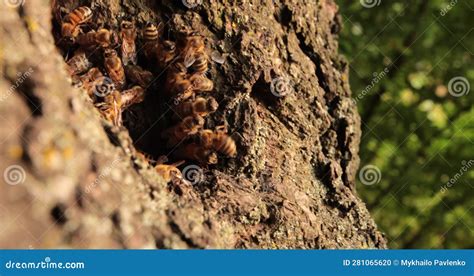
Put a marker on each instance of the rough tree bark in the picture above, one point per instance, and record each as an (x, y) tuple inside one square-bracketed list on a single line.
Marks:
[(291, 185)]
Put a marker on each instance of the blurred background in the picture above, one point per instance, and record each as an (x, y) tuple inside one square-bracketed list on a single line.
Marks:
[(412, 76)]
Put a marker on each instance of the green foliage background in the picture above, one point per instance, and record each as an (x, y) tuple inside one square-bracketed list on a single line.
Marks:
[(415, 131)]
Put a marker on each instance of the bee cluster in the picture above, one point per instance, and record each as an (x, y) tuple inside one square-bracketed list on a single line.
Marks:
[(106, 64)]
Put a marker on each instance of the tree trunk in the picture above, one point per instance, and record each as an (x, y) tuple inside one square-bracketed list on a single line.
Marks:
[(71, 179)]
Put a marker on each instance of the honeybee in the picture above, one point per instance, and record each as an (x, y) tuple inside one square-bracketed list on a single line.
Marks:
[(105, 38), (169, 172), (182, 88), (218, 141), (128, 34), (205, 138), (189, 126), (224, 144), (197, 84), (200, 64), (87, 79), (199, 106), (193, 46), (114, 68), (87, 40), (143, 158), (132, 96), (57, 10), (111, 107), (79, 63), (151, 35), (198, 153), (201, 83), (186, 94), (177, 83), (69, 28), (138, 75), (166, 51)]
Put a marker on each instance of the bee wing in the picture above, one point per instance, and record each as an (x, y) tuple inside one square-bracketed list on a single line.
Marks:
[(128, 53), (189, 59)]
